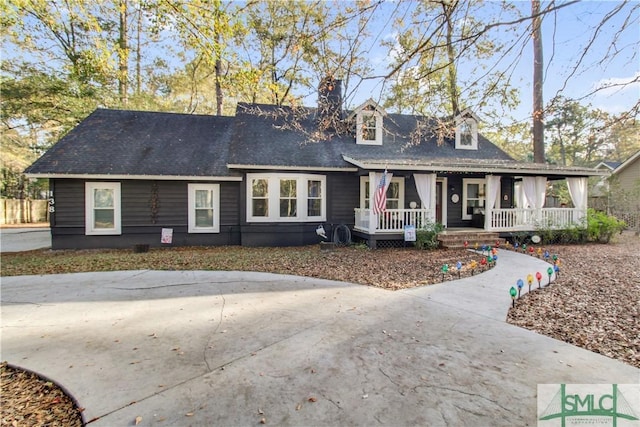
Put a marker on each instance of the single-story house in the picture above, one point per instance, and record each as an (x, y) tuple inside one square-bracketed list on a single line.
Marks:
[(271, 175)]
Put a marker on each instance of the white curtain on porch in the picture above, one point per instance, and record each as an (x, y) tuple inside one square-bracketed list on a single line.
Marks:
[(425, 184), (535, 191), (578, 192), (493, 191)]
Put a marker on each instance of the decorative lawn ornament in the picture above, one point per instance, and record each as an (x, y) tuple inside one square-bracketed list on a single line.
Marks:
[(483, 263), (532, 251), (549, 272), (524, 248), (476, 246), (513, 294), (445, 270), (507, 244), (497, 243), (473, 266), (515, 246), (494, 251), (489, 259), (466, 244), (459, 267), (556, 268), (520, 284), (484, 249), (555, 257), (546, 255), (495, 258), (539, 278), (529, 281), (539, 252)]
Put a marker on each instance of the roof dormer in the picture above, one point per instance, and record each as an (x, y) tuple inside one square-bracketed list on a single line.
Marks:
[(466, 130), (369, 117)]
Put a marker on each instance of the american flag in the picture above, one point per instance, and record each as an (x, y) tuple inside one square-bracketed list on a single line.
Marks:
[(380, 197)]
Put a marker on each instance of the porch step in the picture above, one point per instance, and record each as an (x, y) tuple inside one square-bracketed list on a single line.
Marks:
[(455, 240)]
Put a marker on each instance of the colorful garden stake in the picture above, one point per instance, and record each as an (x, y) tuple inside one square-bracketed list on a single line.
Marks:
[(466, 244), (529, 281), (445, 270), (483, 263), (476, 246), (520, 284), (539, 278), (459, 267), (497, 243), (549, 272), (513, 294), (495, 258), (531, 250), (473, 266), (539, 252), (556, 268), (524, 248), (515, 246), (555, 257)]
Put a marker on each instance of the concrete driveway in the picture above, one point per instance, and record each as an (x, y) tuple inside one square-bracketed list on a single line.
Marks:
[(19, 239), (233, 348)]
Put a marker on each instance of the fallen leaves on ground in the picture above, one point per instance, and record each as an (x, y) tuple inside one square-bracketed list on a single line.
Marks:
[(28, 400), (594, 303)]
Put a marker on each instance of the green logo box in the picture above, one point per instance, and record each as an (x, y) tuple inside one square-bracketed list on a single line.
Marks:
[(563, 405)]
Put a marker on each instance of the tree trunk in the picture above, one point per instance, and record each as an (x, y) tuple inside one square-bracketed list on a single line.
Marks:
[(451, 56), (538, 109), (123, 55), (218, 67)]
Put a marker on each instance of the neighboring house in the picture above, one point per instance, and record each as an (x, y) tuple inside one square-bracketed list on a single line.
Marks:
[(270, 175), (627, 174), (599, 187)]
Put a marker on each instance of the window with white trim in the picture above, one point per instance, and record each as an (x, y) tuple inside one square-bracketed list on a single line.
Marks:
[(369, 128), (286, 197), (467, 134), (395, 193), (102, 208), (204, 208), (473, 195)]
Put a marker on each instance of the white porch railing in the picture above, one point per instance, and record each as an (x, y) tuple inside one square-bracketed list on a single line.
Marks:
[(519, 219), (392, 220)]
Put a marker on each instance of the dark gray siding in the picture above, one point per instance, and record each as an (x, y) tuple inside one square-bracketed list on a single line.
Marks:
[(147, 208)]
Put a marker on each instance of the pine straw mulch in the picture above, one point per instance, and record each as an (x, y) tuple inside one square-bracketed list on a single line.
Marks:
[(594, 303)]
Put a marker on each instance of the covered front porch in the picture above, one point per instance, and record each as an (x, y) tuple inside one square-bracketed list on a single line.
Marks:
[(493, 200)]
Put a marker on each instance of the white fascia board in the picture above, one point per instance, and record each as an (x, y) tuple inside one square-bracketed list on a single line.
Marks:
[(513, 170), (292, 168), (134, 177)]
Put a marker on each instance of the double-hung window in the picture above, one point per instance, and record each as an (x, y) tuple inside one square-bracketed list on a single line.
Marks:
[(395, 193), (204, 208), (286, 197), (102, 208)]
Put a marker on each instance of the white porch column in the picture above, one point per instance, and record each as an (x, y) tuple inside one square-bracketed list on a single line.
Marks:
[(373, 218)]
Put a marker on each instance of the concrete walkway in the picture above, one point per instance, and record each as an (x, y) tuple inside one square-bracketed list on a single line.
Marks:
[(233, 348)]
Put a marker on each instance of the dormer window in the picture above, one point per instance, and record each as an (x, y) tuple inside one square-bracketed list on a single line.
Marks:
[(368, 123), (466, 131)]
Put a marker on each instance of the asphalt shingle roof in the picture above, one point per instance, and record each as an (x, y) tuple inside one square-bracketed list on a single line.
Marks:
[(279, 136), (119, 142)]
